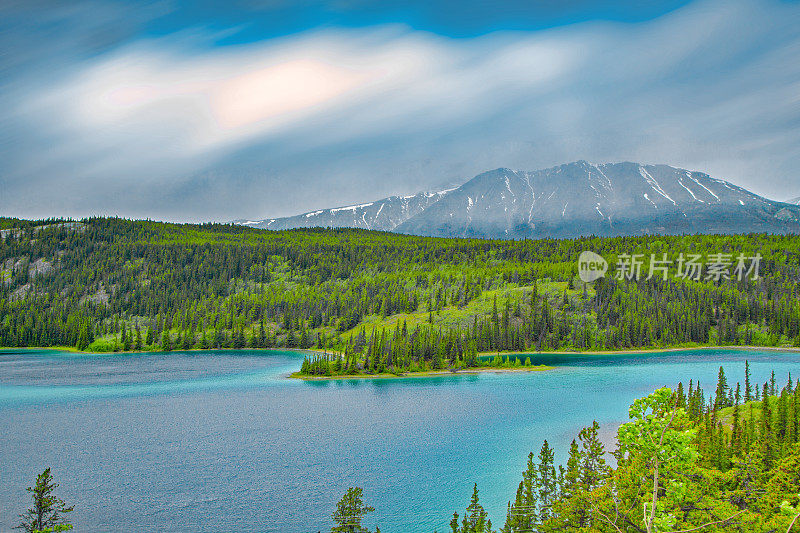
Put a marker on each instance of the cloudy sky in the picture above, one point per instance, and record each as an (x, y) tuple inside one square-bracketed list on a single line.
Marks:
[(196, 111)]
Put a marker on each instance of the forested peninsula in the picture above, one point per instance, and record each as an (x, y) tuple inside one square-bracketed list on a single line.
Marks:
[(377, 303)]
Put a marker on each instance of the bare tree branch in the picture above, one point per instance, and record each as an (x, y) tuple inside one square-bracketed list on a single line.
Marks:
[(793, 521), (608, 520), (656, 464)]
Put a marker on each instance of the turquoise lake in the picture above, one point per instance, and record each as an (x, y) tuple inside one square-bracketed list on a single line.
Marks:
[(222, 441)]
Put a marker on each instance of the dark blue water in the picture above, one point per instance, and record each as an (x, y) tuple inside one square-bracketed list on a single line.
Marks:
[(222, 441)]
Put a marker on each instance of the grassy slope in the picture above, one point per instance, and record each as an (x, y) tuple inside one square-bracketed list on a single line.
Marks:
[(464, 316), (746, 411), (446, 317)]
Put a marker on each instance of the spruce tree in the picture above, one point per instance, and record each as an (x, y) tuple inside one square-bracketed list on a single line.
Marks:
[(721, 395), (547, 481), (48, 510), (593, 467), (166, 342), (748, 394), (350, 511)]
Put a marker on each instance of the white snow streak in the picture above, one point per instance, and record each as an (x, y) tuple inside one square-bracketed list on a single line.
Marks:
[(654, 184), (533, 196), (508, 186), (598, 210), (350, 207), (604, 175), (690, 191), (706, 188)]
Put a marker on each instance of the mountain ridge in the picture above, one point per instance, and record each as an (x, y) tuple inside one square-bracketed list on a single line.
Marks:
[(384, 214), (570, 200)]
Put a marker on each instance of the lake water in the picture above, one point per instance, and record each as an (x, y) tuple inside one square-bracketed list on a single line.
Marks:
[(221, 441)]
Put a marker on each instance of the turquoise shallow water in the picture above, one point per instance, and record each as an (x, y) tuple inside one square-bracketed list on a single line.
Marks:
[(221, 441)]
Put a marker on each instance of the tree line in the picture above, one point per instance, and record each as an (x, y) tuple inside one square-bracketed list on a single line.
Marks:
[(381, 302)]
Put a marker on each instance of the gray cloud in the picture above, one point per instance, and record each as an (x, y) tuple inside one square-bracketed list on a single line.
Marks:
[(172, 129)]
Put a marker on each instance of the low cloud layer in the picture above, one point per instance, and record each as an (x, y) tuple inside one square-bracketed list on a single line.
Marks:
[(174, 127)]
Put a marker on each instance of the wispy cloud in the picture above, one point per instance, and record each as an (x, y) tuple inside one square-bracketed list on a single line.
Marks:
[(174, 127)]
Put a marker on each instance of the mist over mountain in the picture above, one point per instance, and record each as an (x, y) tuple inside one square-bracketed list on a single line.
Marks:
[(566, 201)]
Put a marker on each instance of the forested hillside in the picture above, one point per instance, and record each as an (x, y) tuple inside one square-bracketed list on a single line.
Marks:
[(386, 302), (686, 461)]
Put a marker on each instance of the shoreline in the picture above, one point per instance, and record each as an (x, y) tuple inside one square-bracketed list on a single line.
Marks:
[(70, 349), (650, 350), (425, 374)]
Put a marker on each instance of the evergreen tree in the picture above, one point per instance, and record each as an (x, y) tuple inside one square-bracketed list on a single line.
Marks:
[(166, 341), (593, 465), (350, 511), (721, 396), (547, 481), (149, 338), (748, 388), (475, 519), (48, 510)]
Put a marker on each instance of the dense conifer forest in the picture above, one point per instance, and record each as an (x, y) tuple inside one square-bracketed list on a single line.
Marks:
[(380, 302), (685, 461)]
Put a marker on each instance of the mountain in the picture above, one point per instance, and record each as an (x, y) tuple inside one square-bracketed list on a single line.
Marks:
[(383, 215), (795, 201), (568, 201), (611, 199)]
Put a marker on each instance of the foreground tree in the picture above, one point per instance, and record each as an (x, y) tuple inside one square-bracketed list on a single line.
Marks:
[(476, 520), (48, 510), (350, 511), (659, 434)]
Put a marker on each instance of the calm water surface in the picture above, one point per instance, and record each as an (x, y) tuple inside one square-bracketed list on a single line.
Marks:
[(222, 441)]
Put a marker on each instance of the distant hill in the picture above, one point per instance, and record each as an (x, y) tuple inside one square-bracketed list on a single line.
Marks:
[(567, 201)]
